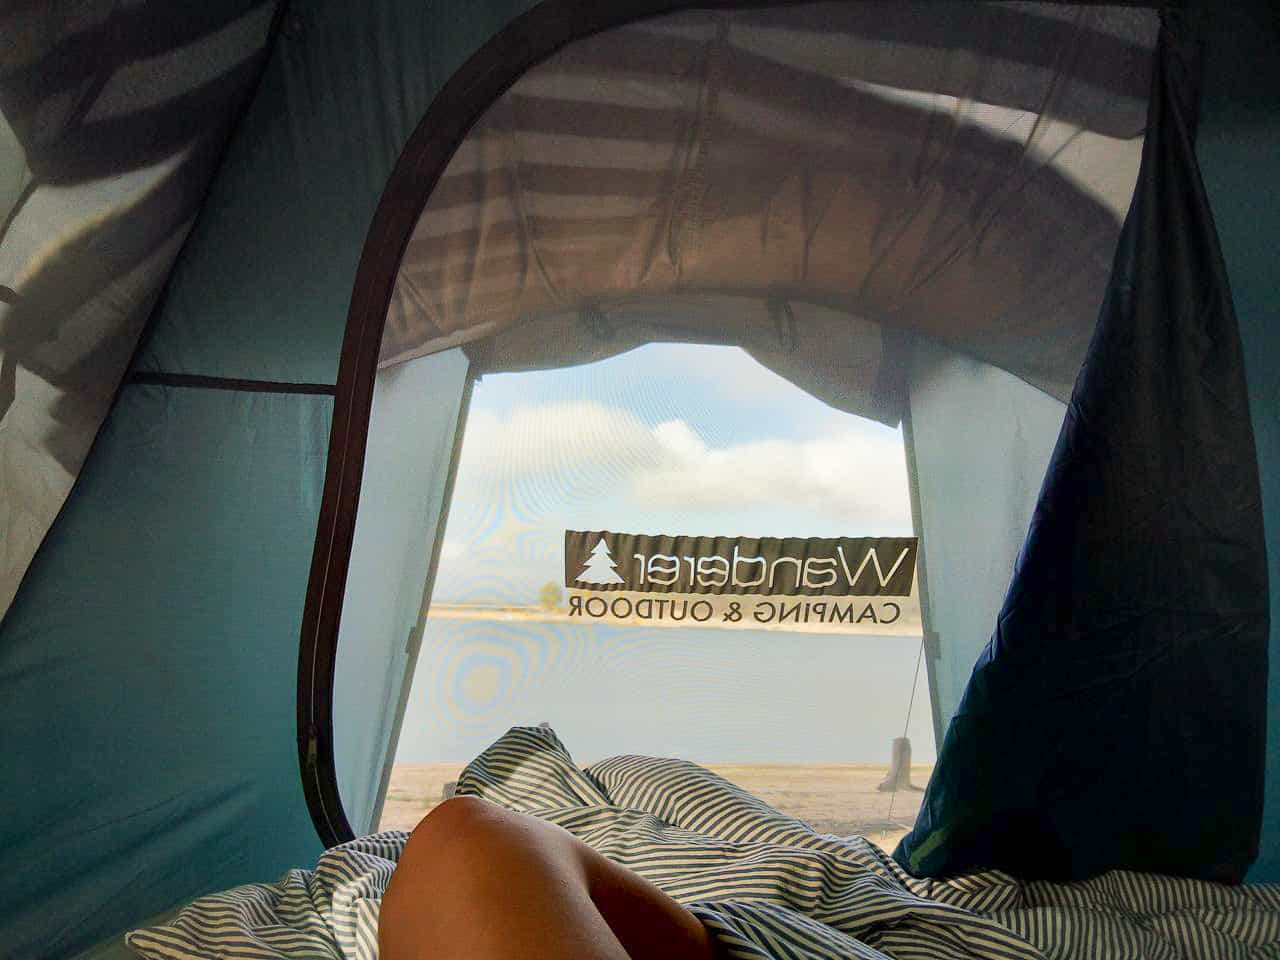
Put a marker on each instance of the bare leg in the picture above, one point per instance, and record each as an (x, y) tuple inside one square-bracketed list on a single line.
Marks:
[(479, 882)]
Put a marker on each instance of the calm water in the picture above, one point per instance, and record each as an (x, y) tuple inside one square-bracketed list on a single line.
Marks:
[(703, 694)]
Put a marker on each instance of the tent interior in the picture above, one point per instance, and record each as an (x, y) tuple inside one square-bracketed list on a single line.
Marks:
[(255, 261)]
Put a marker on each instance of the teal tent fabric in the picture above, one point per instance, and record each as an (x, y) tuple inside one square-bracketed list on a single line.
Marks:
[(112, 120), (148, 668), (1238, 143), (1119, 708), (267, 274)]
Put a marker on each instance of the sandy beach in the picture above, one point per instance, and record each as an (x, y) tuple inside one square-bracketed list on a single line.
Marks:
[(907, 625), (833, 798)]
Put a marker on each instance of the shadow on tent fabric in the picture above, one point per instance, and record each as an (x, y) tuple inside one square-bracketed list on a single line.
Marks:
[(1116, 718), (112, 121), (88, 105)]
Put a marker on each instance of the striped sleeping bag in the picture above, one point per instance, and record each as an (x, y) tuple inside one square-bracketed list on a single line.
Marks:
[(765, 884)]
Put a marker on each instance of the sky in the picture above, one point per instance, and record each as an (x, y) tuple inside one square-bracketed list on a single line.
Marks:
[(670, 438), (675, 439)]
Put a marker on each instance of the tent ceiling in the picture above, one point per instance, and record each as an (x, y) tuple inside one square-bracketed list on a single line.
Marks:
[(956, 171)]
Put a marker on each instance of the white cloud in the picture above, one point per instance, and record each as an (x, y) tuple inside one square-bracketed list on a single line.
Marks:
[(569, 445), (542, 458), (853, 477)]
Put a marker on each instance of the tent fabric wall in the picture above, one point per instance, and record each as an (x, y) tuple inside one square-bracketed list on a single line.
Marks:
[(111, 123), (981, 440), (148, 668), (1238, 147), (403, 498), (266, 282), (1129, 658)]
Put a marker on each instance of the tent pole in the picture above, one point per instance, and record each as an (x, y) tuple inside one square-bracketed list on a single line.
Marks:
[(932, 642)]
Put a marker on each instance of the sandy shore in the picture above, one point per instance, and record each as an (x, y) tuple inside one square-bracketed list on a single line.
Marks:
[(907, 626), (833, 798)]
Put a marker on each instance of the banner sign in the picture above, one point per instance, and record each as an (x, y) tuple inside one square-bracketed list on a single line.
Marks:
[(812, 567), (862, 583)]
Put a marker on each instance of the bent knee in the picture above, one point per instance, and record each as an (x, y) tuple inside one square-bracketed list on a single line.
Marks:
[(443, 849), (466, 837), (456, 817), (449, 836)]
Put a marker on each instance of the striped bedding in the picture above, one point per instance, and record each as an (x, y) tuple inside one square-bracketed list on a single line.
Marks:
[(765, 884)]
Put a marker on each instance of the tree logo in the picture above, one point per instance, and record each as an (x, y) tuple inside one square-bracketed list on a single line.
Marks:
[(600, 566)]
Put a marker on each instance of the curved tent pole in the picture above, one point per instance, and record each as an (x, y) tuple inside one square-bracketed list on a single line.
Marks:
[(526, 41)]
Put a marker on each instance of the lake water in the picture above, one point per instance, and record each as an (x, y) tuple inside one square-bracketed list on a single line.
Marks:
[(720, 696)]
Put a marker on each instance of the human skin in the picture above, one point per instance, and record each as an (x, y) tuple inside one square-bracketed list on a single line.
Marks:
[(480, 882)]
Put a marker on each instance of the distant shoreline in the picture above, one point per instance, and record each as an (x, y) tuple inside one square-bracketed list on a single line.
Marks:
[(513, 614)]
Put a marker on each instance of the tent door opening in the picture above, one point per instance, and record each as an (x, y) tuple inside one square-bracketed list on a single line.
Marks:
[(808, 701)]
